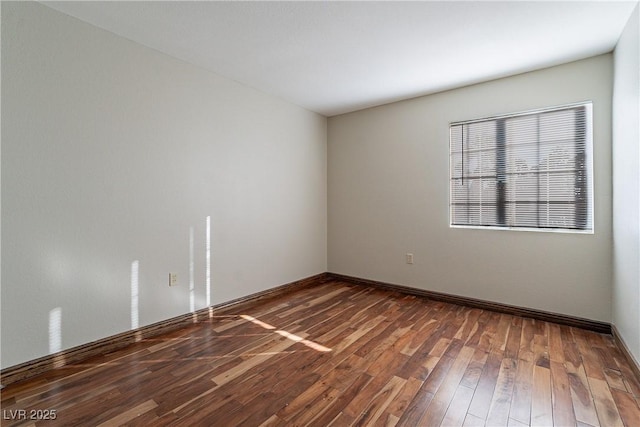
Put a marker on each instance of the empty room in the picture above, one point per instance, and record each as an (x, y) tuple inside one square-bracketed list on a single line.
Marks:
[(320, 213)]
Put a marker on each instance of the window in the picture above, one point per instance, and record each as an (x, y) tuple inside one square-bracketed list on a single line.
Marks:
[(528, 170)]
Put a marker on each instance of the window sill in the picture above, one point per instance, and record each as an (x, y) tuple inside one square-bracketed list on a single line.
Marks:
[(535, 230)]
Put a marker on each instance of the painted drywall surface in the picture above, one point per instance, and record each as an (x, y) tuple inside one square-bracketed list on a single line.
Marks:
[(114, 155), (388, 174), (626, 185)]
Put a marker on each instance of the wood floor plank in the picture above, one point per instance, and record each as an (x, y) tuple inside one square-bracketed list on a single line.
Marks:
[(344, 399), (583, 402), (281, 396), (520, 409), (388, 362), (474, 369), (272, 421), (390, 421), (415, 409), (457, 410), (512, 348), (489, 332), (627, 407), (615, 379), (478, 329), (473, 421), (399, 404), (606, 355), (499, 341), (342, 375), (445, 392), (254, 361), (486, 385), (341, 420), (606, 408), (516, 423), (541, 350), (556, 350), (469, 325), (303, 401), (541, 404), (416, 363), (343, 354), (526, 340), (437, 376), (631, 382), (380, 401), (360, 332), (383, 338), (420, 337), (590, 358), (563, 414), (440, 347), (501, 401), (315, 408)]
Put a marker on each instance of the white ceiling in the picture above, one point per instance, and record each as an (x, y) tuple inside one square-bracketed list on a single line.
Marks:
[(336, 57)]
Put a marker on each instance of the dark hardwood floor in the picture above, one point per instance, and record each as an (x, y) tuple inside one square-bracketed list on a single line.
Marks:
[(341, 354)]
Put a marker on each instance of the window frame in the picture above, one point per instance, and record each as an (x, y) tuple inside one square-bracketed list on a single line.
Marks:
[(589, 169)]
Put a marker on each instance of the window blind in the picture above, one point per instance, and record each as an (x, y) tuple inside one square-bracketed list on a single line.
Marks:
[(526, 170)]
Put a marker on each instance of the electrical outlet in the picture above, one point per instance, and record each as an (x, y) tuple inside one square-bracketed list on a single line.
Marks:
[(409, 258), (173, 279)]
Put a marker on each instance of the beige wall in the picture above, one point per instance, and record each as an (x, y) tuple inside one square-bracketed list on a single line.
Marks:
[(111, 154), (388, 175), (626, 185)]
